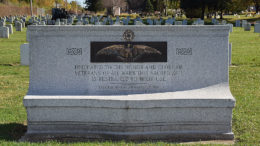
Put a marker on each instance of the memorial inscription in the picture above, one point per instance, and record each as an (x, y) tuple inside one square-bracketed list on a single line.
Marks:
[(128, 76)]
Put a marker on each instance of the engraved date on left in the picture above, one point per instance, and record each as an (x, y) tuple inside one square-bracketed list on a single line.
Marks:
[(74, 51)]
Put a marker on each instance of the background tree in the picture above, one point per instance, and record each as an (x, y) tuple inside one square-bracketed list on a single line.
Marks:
[(148, 7), (74, 6), (94, 5), (257, 5)]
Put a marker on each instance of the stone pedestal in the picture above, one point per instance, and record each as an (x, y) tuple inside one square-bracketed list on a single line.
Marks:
[(202, 114)]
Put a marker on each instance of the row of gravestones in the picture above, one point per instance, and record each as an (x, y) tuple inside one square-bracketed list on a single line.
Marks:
[(7, 29), (247, 25)]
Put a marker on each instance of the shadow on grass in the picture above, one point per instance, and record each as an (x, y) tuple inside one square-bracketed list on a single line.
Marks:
[(12, 131)]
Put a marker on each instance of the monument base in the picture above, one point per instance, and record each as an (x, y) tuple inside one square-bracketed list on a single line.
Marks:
[(133, 137), (201, 114)]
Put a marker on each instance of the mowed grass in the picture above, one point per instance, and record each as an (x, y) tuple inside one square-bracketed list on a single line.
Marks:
[(244, 84)]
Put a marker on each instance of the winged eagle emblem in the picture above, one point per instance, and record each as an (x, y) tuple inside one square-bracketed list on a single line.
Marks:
[(127, 53)]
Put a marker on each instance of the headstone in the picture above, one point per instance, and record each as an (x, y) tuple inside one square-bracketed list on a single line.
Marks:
[(10, 26), (178, 22), (185, 22), (110, 21), (213, 21), (129, 83), (247, 27), (30, 21), (24, 51), (238, 23), (217, 22), (231, 27), (230, 53), (70, 20), (117, 19), (92, 20), (117, 23), (138, 23), (85, 21), (201, 22), (65, 21), (2, 23), (42, 23), (4, 32), (257, 28), (57, 22), (49, 22), (224, 22), (128, 18), (104, 22), (11, 20), (150, 22), (18, 26), (23, 24), (139, 19), (169, 21), (79, 23), (244, 22), (125, 21), (157, 22), (98, 23)]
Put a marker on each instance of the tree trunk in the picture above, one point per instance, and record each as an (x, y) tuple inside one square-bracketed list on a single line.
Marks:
[(221, 14), (166, 2), (31, 7), (257, 7), (203, 11)]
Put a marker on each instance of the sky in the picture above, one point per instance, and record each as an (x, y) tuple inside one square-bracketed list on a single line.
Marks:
[(79, 1)]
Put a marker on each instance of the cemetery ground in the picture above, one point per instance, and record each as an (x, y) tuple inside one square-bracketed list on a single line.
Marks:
[(244, 84)]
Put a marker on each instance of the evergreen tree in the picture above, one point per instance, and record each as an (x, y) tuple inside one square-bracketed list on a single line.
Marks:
[(148, 7), (94, 5)]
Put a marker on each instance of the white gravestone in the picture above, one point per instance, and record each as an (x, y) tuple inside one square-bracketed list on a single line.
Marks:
[(231, 27), (178, 22), (23, 24), (238, 23), (244, 22), (257, 28), (4, 32), (24, 54), (129, 83), (247, 27), (18, 26), (2, 23), (10, 26), (230, 53)]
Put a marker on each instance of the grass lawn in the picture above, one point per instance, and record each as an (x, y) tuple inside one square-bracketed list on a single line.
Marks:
[(244, 84)]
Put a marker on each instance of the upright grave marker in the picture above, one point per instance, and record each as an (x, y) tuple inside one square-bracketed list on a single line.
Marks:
[(10, 26), (24, 51), (18, 26), (257, 28), (4, 32)]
